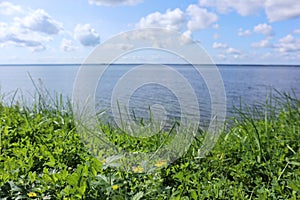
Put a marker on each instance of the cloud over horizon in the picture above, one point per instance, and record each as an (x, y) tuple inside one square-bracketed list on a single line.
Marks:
[(276, 10), (264, 29), (288, 44), (20, 38), (242, 7), (86, 35), (217, 45), (193, 19), (236, 29), (41, 21), (27, 31), (171, 19), (7, 8), (200, 18), (67, 45), (115, 2), (265, 43)]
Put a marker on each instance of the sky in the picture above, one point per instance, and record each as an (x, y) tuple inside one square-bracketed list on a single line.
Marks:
[(231, 31)]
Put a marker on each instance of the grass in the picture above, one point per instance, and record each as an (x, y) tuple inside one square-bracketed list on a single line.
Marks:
[(256, 157)]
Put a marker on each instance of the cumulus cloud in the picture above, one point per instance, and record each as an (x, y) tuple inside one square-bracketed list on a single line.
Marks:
[(187, 34), (40, 21), (233, 51), (264, 29), (195, 18), (171, 19), (114, 2), (200, 18), (20, 38), (288, 44), (262, 44), (278, 10), (19, 41), (28, 31), (86, 35), (217, 45), (156, 39), (297, 31), (228, 52), (243, 7), (242, 32), (67, 45), (222, 56), (7, 8), (117, 46), (186, 38)]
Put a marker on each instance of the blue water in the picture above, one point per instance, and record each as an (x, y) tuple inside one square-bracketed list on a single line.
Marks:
[(250, 83)]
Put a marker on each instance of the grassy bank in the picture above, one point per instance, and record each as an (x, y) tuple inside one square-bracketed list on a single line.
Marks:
[(257, 157)]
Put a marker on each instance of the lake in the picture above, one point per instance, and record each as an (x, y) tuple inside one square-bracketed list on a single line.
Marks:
[(249, 83)]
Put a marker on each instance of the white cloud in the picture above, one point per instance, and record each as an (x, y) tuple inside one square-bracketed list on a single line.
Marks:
[(172, 19), (228, 53), (278, 10), (19, 40), (233, 51), (158, 39), (40, 21), (243, 7), (287, 39), (114, 2), (217, 45), (3, 27), (187, 34), (17, 36), (38, 48), (86, 35), (288, 44), (29, 30), (297, 31), (33, 42), (264, 29), (262, 44), (117, 46), (242, 32), (68, 45), (7, 8), (200, 18), (186, 37), (222, 56)]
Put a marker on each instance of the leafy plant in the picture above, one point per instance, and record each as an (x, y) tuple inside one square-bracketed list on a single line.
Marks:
[(43, 157)]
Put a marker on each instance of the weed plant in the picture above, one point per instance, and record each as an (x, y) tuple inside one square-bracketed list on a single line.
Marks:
[(43, 157)]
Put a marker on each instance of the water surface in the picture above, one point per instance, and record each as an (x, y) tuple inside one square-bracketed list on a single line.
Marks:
[(250, 83)]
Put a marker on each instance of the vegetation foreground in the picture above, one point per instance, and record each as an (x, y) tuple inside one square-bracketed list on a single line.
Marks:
[(256, 157)]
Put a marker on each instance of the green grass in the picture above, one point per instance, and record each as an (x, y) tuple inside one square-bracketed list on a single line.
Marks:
[(256, 157)]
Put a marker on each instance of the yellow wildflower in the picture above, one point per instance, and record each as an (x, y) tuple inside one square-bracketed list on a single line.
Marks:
[(160, 163), (115, 187), (32, 194), (103, 161), (138, 169)]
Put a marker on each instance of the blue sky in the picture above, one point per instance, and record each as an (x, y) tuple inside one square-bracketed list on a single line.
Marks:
[(231, 31)]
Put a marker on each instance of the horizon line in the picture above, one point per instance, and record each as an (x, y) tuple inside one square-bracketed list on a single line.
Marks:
[(220, 64)]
